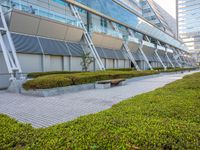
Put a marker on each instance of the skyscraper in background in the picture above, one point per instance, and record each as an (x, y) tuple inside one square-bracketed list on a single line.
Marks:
[(188, 19)]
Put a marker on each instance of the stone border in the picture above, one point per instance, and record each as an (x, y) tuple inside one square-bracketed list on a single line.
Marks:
[(70, 89), (102, 86), (75, 88), (57, 91)]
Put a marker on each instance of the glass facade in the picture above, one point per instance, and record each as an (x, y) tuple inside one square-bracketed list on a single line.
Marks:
[(59, 10), (189, 24), (52, 9), (158, 16), (119, 13), (134, 5)]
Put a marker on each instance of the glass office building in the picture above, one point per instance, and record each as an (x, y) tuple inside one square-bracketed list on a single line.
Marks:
[(154, 13), (158, 16), (188, 15), (53, 35), (134, 5)]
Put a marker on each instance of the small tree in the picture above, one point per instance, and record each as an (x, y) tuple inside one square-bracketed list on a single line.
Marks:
[(86, 61)]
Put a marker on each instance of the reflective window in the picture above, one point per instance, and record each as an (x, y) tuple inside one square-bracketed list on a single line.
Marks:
[(112, 9), (52, 9)]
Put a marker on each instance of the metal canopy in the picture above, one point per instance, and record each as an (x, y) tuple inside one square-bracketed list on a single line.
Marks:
[(53, 47), (26, 44), (75, 49), (109, 53)]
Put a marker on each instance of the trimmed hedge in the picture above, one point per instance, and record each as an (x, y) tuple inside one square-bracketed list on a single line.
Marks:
[(161, 68), (40, 74), (122, 69), (178, 69), (167, 118), (62, 80)]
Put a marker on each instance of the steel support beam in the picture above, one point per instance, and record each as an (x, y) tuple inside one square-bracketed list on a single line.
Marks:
[(156, 53), (125, 46), (88, 39), (181, 56), (175, 55), (144, 55), (130, 56), (8, 49), (169, 60)]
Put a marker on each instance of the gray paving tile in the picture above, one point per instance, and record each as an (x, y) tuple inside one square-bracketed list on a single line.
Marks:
[(43, 112)]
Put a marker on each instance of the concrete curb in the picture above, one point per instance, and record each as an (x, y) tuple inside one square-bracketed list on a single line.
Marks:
[(77, 88), (57, 91)]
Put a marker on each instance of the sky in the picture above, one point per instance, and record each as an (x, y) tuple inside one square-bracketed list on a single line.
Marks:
[(168, 5)]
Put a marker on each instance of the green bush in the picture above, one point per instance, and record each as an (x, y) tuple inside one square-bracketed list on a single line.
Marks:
[(40, 74), (62, 80), (167, 118), (122, 69), (177, 69), (14, 134), (161, 68), (47, 82)]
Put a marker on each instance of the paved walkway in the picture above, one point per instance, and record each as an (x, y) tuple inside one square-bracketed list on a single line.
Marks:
[(43, 112)]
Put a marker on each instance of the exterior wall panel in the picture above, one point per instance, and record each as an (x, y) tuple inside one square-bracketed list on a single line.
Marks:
[(109, 63), (51, 29), (30, 62), (75, 66), (4, 76), (24, 23), (106, 41), (121, 64), (56, 63)]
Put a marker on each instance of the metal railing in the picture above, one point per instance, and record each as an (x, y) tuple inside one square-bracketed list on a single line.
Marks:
[(35, 9), (107, 31)]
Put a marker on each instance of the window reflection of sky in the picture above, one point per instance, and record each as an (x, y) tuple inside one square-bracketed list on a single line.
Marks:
[(112, 9)]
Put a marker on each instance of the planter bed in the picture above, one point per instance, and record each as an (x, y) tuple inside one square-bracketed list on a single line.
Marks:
[(64, 80), (109, 83), (56, 84), (57, 91)]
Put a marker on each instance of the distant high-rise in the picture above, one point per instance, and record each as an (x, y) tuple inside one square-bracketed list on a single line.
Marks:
[(154, 13), (158, 16), (188, 14)]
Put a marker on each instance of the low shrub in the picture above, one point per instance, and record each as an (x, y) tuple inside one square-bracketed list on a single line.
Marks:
[(40, 74), (46, 82), (122, 69), (62, 80), (167, 118), (177, 69), (14, 134), (161, 68)]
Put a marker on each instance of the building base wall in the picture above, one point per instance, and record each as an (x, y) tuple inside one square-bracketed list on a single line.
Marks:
[(4, 75)]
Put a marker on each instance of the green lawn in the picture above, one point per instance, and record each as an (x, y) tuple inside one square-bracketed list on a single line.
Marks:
[(167, 118)]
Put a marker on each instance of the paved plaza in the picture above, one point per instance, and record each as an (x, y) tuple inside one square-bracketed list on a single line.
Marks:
[(47, 111)]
